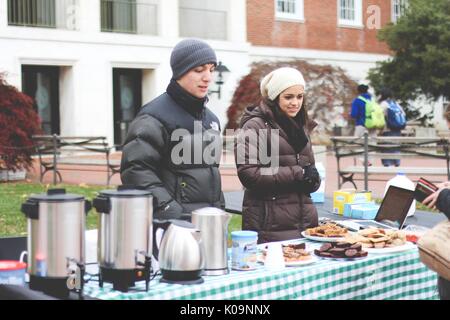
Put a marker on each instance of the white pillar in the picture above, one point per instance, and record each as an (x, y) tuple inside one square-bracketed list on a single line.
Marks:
[(168, 19), (237, 21), (89, 16), (3, 15), (67, 102)]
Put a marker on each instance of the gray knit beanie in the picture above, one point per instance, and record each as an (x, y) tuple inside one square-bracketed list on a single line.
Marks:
[(188, 54)]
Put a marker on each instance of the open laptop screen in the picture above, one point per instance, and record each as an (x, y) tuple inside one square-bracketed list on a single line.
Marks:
[(395, 206)]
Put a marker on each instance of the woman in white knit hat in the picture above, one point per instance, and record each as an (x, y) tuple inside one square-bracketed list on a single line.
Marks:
[(277, 204)]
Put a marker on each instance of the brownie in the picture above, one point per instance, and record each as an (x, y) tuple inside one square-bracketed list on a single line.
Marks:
[(325, 247), (340, 250), (362, 253), (326, 255), (343, 245), (296, 246), (350, 253), (337, 252)]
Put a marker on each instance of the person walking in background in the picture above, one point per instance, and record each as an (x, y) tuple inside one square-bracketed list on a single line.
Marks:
[(359, 112), (362, 113), (278, 206), (441, 200), (179, 186), (395, 122)]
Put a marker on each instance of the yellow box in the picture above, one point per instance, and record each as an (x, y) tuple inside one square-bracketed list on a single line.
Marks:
[(344, 196)]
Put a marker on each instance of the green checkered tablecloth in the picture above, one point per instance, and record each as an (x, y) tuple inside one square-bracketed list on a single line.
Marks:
[(389, 276)]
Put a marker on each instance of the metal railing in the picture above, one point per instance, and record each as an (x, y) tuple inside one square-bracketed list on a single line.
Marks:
[(128, 16), (202, 23), (59, 14)]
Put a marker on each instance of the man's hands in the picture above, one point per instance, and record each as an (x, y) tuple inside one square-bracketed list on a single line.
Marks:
[(431, 200)]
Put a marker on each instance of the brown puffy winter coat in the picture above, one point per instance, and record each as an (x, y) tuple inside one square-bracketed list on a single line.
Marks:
[(274, 205)]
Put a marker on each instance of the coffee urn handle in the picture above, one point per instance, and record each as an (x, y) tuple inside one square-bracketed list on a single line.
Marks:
[(87, 206), (102, 204), (31, 209)]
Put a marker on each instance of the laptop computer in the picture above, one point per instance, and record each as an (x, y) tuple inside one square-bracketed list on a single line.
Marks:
[(392, 213)]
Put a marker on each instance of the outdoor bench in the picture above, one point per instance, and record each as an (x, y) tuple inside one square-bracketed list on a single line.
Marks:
[(389, 148), (64, 153)]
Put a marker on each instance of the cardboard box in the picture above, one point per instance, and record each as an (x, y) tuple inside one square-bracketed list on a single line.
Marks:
[(343, 196)]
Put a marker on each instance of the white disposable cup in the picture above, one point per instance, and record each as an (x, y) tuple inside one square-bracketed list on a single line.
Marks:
[(274, 258)]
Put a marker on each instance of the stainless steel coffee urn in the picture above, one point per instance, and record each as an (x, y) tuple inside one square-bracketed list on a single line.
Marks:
[(56, 231), (213, 225), (124, 236)]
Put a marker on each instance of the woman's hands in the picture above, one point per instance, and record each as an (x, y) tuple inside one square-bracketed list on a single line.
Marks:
[(311, 179)]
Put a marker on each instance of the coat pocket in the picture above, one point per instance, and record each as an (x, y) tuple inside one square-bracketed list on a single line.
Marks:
[(273, 205)]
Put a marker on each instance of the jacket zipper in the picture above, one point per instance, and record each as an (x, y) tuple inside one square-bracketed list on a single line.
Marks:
[(213, 187)]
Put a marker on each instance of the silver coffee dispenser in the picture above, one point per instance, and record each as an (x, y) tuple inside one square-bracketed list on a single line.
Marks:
[(56, 235), (124, 236)]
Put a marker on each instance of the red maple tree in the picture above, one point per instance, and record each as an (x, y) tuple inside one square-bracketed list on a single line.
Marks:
[(329, 93), (18, 123)]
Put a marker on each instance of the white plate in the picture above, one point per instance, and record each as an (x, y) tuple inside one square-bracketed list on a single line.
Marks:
[(322, 239), (311, 260), (407, 246), (342, 259)]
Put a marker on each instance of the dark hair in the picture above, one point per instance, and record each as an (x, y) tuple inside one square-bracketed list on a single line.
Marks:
[(362, 88), (302, 115), (385, 94)]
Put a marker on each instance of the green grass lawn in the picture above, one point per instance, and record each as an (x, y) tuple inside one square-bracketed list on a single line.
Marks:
[(14, 223), (12, 195)]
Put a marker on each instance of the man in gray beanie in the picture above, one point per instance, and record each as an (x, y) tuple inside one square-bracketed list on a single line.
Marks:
[(151, 158)]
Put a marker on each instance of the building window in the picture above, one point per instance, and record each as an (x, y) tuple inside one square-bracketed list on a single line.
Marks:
[(289, 9), (32, 13), (204, 19), (129, 16), (350, 13), (398, 9), (118, 16), (61, 14)]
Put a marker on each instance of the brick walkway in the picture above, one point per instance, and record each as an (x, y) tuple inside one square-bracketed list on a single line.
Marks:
[(230, 182)]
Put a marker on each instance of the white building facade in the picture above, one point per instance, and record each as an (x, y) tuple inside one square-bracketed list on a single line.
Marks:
[(91, 64)]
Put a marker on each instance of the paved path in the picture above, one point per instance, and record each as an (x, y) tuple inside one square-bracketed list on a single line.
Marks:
[(230, 181)]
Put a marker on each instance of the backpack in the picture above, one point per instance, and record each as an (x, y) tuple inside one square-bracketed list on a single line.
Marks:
[(396, 118), (374, 114)]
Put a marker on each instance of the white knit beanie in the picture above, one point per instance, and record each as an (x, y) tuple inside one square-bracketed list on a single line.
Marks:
[(279, 80)]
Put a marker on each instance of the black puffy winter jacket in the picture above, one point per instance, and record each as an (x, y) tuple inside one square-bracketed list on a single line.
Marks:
[(181, 181)]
